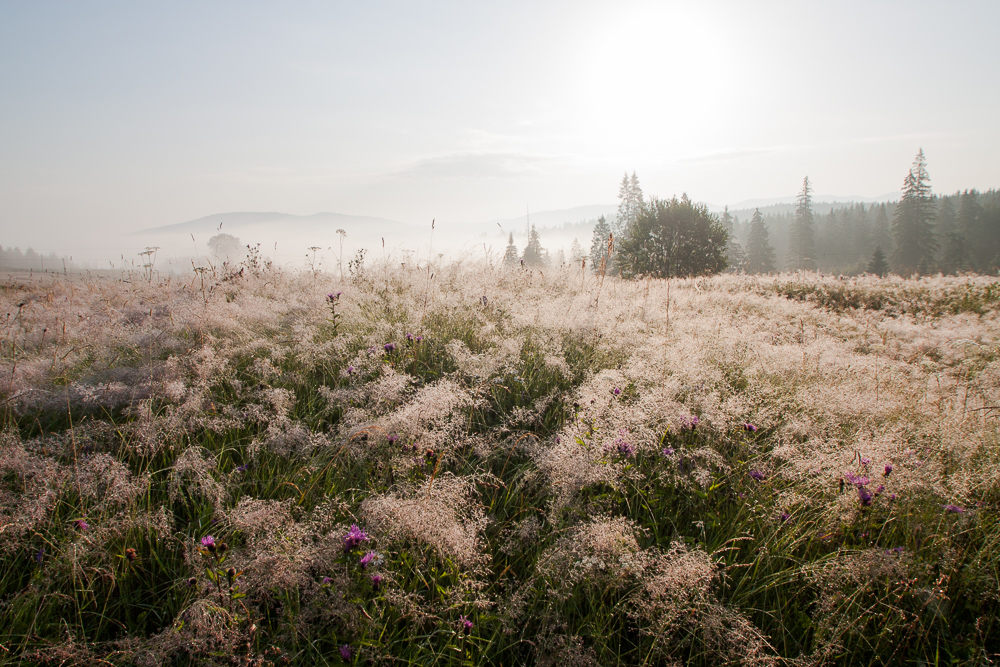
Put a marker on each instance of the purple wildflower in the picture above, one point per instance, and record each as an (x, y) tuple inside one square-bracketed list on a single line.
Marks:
[(757, 475), (367, 558), (857, 480), (392, 439), (749, 428), (327, 581), (208, 542), (465, 624), (623, 446), (40, 555), (892, 496), (865, 496), (888, 469), (243, 468), (785, 516), (668, 451), (389, 348), (616, 391), (346, 652), (376, 581), (954, 509), (865, 461), (354, 537), (690, 422), (485, 301), (81, 524), (350, 370)]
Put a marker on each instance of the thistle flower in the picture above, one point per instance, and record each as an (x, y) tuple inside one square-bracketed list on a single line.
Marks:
[(39, 555), (346, 652), (81, 524), (888, 469), (326, 581), (243, 468), (208, 542), (389, 348), (354, 537), (464, 624), (749, 428), (785, 516), (668, 451), (616, 391), (367, 558), (392, 439), (757, 475), (865, 496), (690, 422), (376, 582), (350, 370), (954, 509)]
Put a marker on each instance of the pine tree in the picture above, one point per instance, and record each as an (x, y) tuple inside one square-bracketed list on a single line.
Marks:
[(862, 236), (534, 254), (953, 256), (576, 252), (878, 265), (511, 256), (630, 204), (802, 242), (912, 226), (599, 245), (760, 254)]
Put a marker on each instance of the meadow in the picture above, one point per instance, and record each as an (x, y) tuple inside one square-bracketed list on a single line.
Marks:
[(466, 464)]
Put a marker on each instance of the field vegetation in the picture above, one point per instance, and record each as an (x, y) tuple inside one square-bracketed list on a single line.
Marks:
[(479, 464)]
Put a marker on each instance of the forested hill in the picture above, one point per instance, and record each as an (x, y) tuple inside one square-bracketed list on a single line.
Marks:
[(966, 232)]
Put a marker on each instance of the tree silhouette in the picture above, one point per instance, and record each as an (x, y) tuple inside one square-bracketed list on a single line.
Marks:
[(802, 242), (760, 254), (912, 226)]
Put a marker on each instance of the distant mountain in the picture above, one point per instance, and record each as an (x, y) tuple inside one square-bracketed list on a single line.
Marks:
[(237, 221), (555, 218)]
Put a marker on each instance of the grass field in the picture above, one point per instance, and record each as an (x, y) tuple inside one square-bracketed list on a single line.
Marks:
[(469, 465)]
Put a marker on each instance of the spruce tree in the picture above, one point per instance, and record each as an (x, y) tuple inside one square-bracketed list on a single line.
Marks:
[(760, 254), (802, 242), (534, 254), (630, 204), (912, 227), (878, 265), (599, 245), (511, 256)]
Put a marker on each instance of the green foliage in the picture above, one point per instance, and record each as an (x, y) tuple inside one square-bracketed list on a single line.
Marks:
[(672, 238)]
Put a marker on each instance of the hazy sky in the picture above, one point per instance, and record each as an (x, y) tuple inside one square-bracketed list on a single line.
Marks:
[(126, 115)]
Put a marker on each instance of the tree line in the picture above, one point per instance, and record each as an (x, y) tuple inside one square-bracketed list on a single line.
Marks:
[(922, 233)]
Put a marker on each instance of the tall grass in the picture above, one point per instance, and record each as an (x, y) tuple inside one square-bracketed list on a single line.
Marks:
[(495, 467)]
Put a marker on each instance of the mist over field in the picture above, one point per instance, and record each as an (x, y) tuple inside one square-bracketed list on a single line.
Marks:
[(529, 333)]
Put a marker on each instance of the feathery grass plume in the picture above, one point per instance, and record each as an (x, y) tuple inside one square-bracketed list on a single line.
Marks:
[(443, 513)]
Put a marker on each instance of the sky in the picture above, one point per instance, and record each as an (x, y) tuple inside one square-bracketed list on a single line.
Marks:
[(118, 116)]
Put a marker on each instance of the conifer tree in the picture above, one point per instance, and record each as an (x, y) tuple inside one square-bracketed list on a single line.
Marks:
[(534, 254), (576, 252), (912, 227), (760, 254), (511, 256), (630, 204), (878, 264), (599, 245), (802, 242), (735, 256)]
